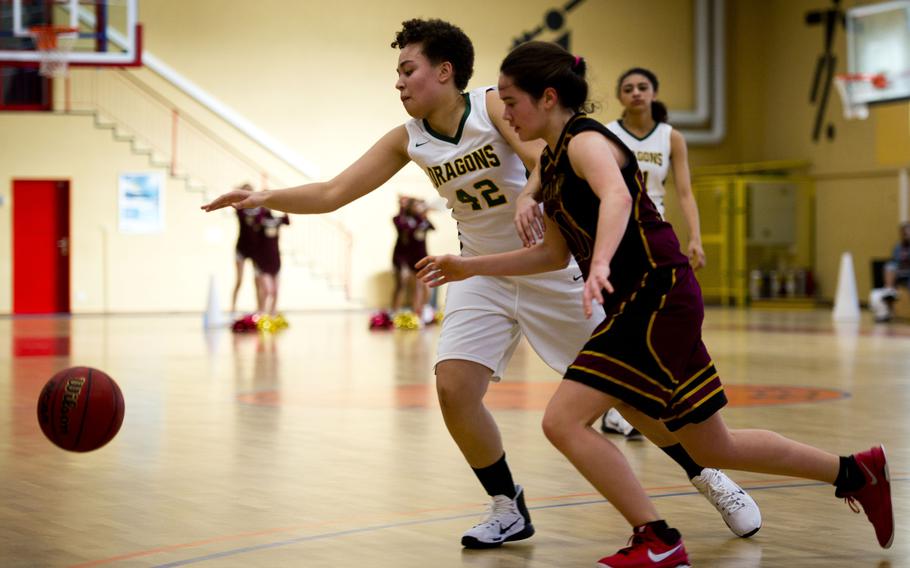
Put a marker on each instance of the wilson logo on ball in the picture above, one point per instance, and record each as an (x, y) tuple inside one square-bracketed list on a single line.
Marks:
[(70, 399)]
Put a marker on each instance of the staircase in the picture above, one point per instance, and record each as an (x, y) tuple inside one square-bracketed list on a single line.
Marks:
[(196, 152)]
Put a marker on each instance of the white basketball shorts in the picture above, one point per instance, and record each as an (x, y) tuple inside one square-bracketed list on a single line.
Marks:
[(485, 317)]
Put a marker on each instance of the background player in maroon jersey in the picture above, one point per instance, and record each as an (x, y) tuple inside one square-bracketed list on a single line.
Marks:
[(247, 241), (268, 258), (411, 224)]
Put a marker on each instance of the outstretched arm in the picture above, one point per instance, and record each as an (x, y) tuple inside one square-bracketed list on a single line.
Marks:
[(370, 171), (550, 254), (596, 160), (679, 158)]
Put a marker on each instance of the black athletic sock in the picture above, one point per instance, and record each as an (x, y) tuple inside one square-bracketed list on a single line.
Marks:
[(497, 479), (685, 461), (849, 476), (662, 530)]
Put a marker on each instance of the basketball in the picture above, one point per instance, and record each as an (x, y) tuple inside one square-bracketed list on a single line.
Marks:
[(80, 409)]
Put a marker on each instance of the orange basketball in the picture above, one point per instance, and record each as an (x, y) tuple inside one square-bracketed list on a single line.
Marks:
[(80, 409)]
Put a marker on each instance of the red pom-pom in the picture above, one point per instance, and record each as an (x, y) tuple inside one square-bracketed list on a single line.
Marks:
[(381, 320), (245, 324)]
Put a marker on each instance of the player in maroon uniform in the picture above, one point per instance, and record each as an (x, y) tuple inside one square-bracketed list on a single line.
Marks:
[(401, 221), (411, 224), (647, 355), (268, 258), (247, 242)]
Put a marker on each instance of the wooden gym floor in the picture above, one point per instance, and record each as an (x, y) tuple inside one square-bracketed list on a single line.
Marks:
[(323, 446)]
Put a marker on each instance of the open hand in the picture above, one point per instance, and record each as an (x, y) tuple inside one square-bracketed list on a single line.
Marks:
[(238, 198), (438, 270), (597, 281), (529, 220), (696, 255)]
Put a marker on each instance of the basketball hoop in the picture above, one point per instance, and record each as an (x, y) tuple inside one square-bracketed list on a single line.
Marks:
[(54, 44)]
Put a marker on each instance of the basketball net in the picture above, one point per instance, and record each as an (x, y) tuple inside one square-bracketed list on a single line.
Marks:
[(54, 44), (847, 85)]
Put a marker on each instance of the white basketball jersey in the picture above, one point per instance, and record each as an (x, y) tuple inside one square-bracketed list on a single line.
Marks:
[(478, 174), (653, 155)]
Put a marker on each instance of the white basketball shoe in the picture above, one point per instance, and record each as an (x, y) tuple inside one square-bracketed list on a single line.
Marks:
[(613, 423), (508, 520), (736, 507)]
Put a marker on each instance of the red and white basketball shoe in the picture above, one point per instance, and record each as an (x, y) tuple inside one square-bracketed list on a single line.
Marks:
[(647, 550), (875, 494)]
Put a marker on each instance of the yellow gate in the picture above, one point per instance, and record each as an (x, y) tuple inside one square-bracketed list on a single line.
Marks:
[(758, 231)]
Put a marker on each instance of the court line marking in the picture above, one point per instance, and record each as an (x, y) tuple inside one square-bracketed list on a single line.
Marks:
[(760, 486), (892, 331)]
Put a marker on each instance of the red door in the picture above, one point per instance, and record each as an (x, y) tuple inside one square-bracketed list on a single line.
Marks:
[(41, 232)]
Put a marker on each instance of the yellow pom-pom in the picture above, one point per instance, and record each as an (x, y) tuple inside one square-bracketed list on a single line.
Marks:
[(406, 320), (265, 323), (279, 321)]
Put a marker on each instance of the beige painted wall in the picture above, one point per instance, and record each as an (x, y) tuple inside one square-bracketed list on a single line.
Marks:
[(118, 272), (322, 82)]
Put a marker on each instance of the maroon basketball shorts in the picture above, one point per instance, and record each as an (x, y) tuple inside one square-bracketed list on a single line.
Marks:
[(649, 354)]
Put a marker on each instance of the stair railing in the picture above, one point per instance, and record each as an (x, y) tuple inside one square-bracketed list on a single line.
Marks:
[(190, 151)]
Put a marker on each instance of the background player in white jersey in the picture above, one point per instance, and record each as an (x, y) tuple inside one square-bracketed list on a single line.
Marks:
[(643, 128), (476, 161)]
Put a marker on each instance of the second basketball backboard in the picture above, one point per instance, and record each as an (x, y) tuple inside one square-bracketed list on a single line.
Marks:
[(104, 32), (878, 52)]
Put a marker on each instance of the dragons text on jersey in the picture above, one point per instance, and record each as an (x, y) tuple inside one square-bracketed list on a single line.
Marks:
[(655, 158), (479, 159), (653, 154)]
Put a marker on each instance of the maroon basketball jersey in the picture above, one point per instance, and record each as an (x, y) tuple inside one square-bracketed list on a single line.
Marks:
[(248, 235), (268, 256), (648, 242)]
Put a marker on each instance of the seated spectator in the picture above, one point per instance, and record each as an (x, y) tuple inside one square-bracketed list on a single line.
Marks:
[(895, 272)]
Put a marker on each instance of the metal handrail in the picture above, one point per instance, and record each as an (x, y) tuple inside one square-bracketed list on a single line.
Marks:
[(185, 117)]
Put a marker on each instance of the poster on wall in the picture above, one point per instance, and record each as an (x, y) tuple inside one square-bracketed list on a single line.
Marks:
[(141, 202)]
